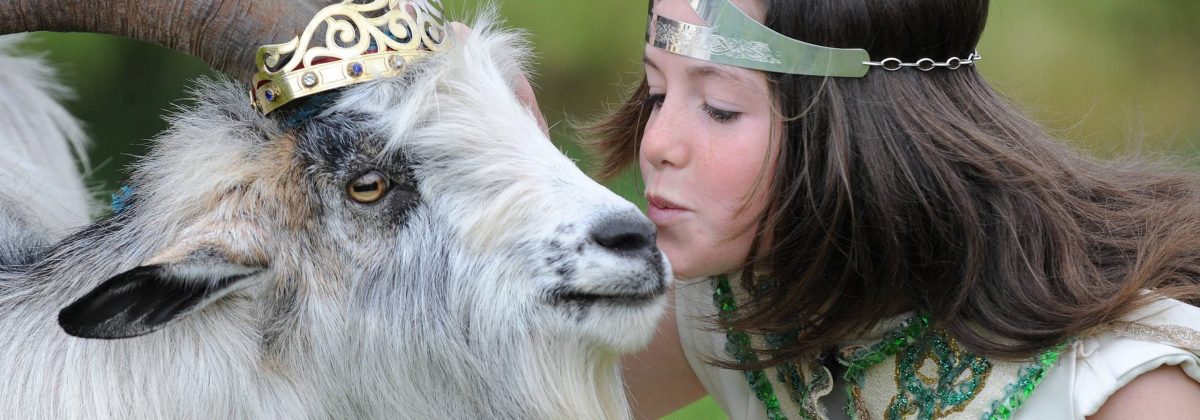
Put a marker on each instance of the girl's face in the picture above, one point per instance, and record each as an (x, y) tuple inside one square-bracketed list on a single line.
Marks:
[(706, 153)]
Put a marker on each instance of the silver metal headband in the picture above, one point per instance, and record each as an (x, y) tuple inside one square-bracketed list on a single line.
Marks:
[(737, 39)]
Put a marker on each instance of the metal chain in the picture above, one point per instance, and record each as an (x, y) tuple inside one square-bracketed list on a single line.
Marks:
[(926, 64)]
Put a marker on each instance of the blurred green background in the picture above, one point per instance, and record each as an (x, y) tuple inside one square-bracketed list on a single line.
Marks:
[(1109, 76)]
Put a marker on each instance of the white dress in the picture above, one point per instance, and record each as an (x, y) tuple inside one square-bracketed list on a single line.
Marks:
[(929, 377)]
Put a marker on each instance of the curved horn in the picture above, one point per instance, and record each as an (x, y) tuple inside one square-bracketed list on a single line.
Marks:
[(223, 33)]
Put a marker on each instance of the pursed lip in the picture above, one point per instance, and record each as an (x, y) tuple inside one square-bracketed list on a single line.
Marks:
[(662, 203), (662, 211)]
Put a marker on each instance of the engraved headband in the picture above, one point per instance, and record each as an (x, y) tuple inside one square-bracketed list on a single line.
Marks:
[(736, 39)]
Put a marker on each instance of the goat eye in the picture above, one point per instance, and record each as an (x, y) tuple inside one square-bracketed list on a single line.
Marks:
[(368, 188)]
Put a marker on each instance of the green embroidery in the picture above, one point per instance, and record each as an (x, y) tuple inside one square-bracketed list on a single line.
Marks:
[(960, 375), (803, 386), (858, 363), (956, 379), (1016, 394), (738, 345), (934, 377), (803, 379)]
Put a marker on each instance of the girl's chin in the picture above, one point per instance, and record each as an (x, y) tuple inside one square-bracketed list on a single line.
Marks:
[(686, 264)]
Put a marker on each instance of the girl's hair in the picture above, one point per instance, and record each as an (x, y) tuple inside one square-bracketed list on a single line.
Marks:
[(928, 191)]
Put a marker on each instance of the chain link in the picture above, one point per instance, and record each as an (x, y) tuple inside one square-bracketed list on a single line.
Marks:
[(926, 64)]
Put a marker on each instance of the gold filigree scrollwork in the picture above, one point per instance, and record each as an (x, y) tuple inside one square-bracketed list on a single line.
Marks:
[(369, 40)]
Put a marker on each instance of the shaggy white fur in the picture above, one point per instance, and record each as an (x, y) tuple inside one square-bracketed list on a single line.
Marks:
[(37, 168), (242, 282)]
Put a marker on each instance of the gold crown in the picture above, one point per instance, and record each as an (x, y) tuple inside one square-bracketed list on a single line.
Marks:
[(362, 42)]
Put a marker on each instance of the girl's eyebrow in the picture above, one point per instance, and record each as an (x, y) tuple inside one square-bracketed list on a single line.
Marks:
[(715, 72), (703, 71)]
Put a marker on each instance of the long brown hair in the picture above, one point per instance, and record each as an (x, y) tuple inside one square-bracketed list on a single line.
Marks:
[(927, 191)]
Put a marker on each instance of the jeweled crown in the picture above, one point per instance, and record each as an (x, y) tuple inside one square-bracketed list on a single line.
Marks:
[(361, 42)]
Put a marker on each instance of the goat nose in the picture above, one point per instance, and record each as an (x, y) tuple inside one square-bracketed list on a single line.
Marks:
[(625, 234)]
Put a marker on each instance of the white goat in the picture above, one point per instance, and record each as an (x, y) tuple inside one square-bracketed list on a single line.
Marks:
[(487, 277)]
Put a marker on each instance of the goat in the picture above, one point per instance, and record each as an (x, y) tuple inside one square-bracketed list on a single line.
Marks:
[(417, 249)]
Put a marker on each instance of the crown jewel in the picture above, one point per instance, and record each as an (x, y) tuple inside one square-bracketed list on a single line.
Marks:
[(345, 44)]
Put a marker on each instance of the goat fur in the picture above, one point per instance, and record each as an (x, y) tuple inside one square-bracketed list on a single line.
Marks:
[(41, 140), (442, 301)]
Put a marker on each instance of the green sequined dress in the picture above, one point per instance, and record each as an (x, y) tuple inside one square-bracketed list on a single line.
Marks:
[(906, 368)]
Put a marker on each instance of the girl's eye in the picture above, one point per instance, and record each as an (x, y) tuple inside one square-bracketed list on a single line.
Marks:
[(720, 115), (654, 100)]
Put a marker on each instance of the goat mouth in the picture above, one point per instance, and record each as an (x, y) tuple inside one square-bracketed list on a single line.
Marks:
[(576, 297)]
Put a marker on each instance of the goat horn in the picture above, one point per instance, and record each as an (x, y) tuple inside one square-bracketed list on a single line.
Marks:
[(223, 33)]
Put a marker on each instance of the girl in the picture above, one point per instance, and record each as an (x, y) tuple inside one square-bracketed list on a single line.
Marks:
[(875, 233)]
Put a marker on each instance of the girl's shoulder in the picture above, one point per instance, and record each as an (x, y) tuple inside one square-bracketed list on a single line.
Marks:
[(1093, 368)]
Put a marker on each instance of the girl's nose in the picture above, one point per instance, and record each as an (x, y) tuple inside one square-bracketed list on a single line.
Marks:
[(665, 142)]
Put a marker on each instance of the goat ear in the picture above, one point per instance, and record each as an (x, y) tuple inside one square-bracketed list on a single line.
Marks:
[(147, 298)]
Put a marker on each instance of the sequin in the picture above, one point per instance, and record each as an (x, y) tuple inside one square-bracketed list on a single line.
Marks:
[(934, 377), (737, 344), (960, 374), (805, 381), (957, 378), (1031, 376)]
